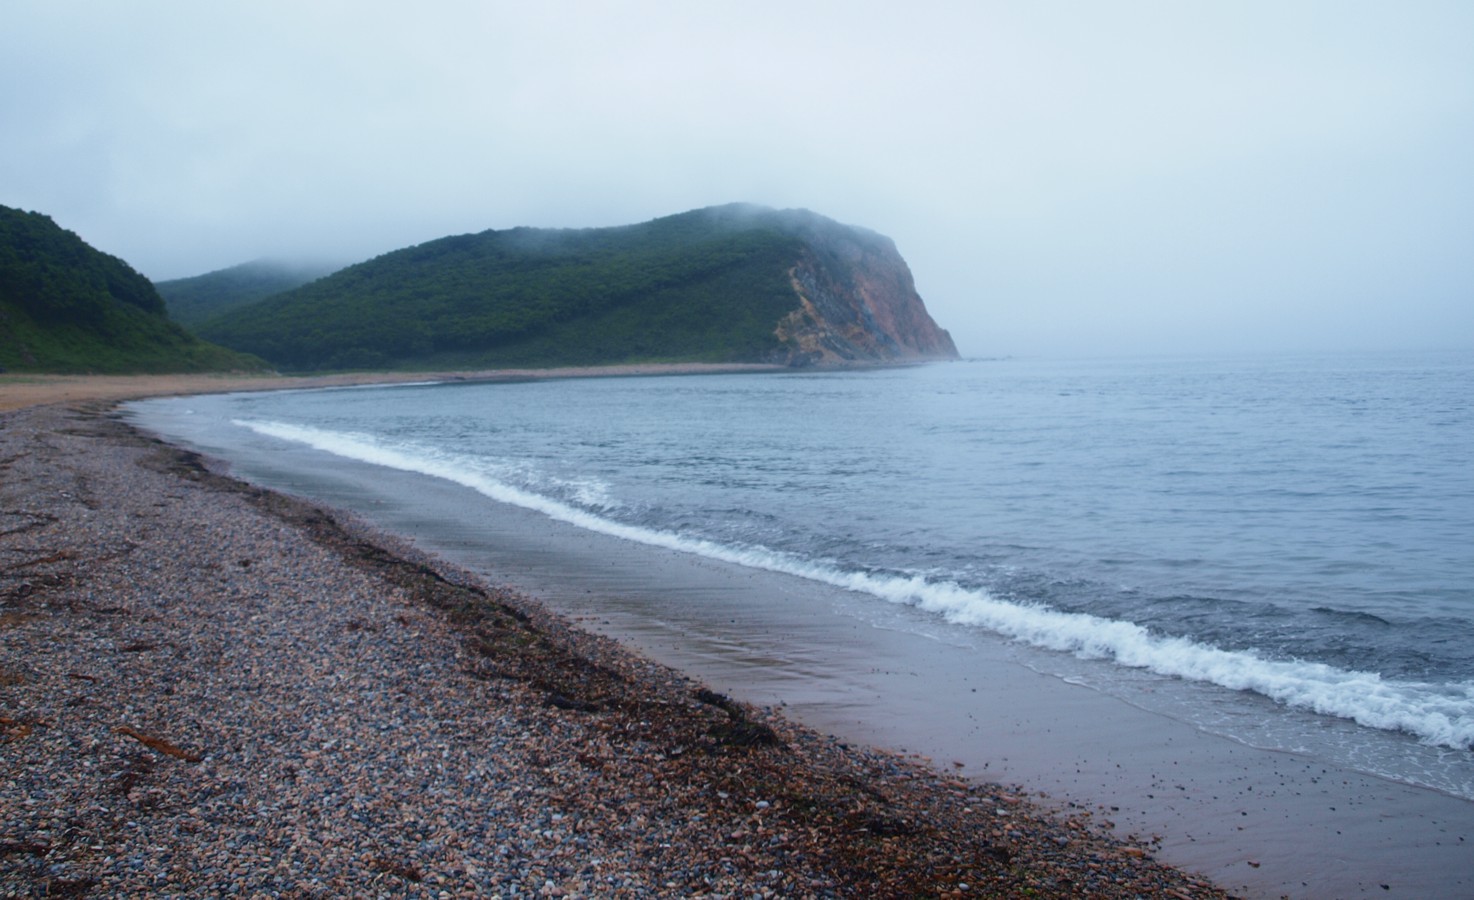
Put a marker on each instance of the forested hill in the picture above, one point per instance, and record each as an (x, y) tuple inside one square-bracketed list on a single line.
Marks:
[(725, 284), (66, 307), (201, 297)]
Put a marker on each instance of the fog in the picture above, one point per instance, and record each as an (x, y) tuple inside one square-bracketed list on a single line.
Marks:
[(1064, 178)]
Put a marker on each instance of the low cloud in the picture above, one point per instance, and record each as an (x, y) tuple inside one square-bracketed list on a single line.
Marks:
[(1064, 179)]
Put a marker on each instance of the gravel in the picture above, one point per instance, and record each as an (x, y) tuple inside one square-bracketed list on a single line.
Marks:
[(211, 689)]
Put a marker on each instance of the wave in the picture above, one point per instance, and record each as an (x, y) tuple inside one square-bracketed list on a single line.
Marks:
[(1438, 714)]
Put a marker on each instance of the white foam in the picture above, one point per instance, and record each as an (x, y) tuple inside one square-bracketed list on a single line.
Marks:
[(1440, 714)]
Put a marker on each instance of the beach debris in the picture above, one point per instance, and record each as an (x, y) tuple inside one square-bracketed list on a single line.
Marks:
[(406, 871), (740, 730), (34, 848), (61, 556), (881, 824), (15, 729), (561, 702), (158, 744)]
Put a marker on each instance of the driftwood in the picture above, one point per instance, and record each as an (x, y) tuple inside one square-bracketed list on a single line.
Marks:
[(159, 744)]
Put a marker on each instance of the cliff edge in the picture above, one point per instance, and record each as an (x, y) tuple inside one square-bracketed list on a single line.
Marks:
[(857, 300)]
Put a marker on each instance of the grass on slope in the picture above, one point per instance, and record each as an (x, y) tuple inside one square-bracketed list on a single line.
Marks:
[(681, 288)]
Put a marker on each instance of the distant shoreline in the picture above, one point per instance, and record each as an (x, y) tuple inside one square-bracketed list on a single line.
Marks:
[(22, 390)]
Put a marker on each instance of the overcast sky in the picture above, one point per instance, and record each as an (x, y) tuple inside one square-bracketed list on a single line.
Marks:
[(1064, 178)]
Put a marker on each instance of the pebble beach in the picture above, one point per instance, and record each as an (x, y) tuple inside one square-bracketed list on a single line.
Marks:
[(211, 689)]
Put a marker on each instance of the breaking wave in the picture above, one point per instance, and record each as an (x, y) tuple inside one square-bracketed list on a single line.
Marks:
[(1438, 714)]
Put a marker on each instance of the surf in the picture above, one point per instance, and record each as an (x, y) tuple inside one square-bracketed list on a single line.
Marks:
[(1439, 714)]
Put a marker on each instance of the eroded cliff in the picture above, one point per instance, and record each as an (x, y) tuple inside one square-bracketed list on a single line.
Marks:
[(857, 300)]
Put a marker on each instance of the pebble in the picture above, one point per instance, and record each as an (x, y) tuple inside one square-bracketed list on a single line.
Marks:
[(324, 710)]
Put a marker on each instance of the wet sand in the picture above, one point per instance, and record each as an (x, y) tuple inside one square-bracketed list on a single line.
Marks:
[(207, 688)]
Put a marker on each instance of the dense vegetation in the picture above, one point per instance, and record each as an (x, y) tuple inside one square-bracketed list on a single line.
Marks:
[(709, 285), (66, 307), (194, 300)]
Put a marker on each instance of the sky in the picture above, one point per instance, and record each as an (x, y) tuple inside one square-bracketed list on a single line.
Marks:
[(1064, 179)]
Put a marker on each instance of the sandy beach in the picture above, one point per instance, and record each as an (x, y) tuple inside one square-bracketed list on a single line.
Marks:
[(18, 391), (210, 688)]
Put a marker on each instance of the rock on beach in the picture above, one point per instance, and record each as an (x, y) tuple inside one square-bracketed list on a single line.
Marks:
[(211, 689)]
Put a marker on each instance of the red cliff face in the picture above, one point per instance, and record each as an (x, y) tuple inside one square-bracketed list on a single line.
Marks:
[(857, 302)]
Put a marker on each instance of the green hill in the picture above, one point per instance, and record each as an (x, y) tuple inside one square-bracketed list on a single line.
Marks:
[(66, 307), (194, 300), (724, 284)]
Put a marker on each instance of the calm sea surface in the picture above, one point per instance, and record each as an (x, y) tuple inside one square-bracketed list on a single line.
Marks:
[(1299, 529)]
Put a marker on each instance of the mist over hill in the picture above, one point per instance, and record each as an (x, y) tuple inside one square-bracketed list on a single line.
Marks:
[(736, 283), (201, 297)]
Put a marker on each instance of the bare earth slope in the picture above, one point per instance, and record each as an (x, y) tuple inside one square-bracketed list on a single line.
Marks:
[(206, 688)]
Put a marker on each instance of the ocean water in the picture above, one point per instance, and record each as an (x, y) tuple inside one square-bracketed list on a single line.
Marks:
[(1290, 539)]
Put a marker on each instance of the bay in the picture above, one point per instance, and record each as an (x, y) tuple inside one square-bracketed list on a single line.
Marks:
[(1276, 551)]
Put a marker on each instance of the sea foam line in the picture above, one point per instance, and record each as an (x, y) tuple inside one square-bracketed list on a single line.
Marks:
[(1437, 714)]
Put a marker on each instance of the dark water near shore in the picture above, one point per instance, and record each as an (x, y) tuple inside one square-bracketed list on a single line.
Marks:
[(1297, 528)]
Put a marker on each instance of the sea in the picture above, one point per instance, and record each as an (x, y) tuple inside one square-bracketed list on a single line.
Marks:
[(1276, 549)]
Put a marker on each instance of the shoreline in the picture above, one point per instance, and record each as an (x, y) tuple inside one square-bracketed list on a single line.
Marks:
[(207, 684), (1266, 801), (1261, 820), (21, 390)]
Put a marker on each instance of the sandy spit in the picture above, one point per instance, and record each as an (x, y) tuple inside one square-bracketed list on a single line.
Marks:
[(207, 689), (18, 391)]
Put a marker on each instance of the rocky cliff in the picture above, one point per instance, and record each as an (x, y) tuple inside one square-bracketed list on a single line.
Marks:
[(856, 299)]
